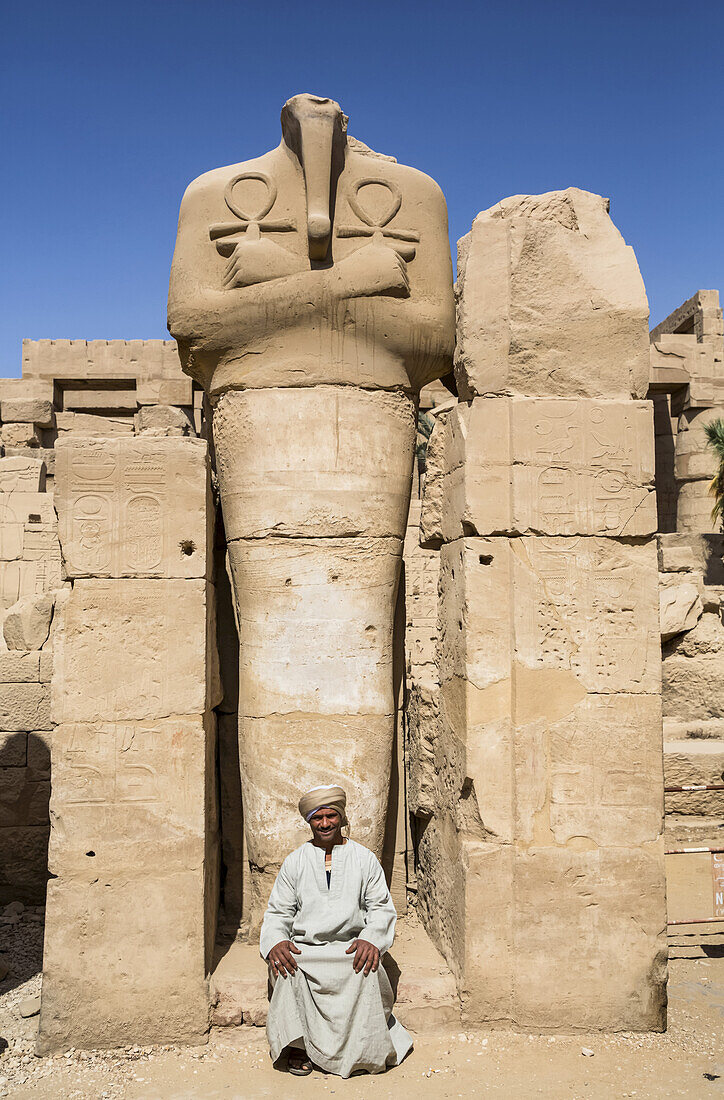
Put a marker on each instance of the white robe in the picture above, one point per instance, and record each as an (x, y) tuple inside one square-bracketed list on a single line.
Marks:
[(344, 1019)]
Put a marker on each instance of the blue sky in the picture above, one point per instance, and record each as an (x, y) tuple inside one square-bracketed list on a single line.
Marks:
[(111, 108)]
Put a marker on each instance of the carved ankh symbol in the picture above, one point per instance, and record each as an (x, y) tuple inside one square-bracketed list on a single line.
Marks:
[(402, 240)]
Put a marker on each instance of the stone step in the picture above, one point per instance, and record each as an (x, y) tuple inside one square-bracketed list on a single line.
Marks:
[(426, 998)]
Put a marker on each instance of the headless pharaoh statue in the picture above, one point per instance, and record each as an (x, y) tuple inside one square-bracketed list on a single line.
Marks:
[(311, 296)]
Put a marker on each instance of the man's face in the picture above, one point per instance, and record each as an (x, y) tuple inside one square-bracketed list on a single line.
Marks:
[(326, 825)]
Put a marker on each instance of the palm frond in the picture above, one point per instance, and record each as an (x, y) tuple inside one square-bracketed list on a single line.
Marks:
[(714, 432)]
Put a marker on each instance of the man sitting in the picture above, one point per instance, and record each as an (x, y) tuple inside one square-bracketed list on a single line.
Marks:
[(329, 918)]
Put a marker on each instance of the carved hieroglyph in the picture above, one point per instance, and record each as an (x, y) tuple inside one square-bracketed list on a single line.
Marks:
[(311, 295), (578, 468)]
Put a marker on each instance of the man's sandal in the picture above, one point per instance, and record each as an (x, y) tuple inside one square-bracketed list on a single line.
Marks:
[(299, 1064)]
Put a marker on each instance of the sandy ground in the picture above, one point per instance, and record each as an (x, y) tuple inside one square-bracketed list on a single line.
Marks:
[(687, 1061)]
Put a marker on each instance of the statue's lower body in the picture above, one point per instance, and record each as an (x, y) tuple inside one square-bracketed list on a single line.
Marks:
[(315, 488)]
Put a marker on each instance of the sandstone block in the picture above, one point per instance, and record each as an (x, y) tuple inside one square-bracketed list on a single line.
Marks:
[(550, 302), (19, 668), (680, 608), (149, 642), (25, 707), (23, 864), (134, 507), (163, 420), (23, 798), (553, 467), (39, 753), (165, 391), (694, 762), (137, 970), (19, 435), (129, 802), (573, 614), (28, 411), (46, 455), (334, 479), (90, 424), (27, 623), (693, 688), (26, 475), (611, 913), (13, 750)]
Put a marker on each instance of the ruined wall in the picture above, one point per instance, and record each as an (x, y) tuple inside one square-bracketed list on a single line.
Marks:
[(543, 781), (30, 577), (687, 387)]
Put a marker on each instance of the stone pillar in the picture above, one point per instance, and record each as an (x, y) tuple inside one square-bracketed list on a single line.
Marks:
[(541, 867), (695, 466), (131, 906)]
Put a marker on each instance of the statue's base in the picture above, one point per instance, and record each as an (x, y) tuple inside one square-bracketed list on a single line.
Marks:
[(426, 998)]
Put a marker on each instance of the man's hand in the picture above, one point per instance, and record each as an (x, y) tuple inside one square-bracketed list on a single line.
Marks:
[(365, 955), (281, 958)]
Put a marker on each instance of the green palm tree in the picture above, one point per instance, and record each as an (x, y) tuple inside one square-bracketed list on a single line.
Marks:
[(715, 439)]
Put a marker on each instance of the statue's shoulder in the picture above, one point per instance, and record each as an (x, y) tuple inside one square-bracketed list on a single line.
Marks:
[(371, 165), (217, 179)]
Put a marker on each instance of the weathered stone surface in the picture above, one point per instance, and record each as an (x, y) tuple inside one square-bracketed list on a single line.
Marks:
[(23, 797), (23, 864), (148, 642), (25, 707), (694, 762), (680, 608), (693, 508), (163, 420), (25, 475), (28, 411), (90, 424), (13, 750), (27, 623), (29, 1006), (616, 974), (583, 614), (547, 762), (19, 668), (334, 478), (19, 435), (694, 458), (550, 302), (46, 455), (129, 799), (693, 687), (554, 467), (135, 507)]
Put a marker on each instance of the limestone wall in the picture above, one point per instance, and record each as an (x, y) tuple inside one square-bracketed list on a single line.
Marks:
[(540, 861)]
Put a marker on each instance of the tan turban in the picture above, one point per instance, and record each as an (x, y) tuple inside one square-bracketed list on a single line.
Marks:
[(332, 798)]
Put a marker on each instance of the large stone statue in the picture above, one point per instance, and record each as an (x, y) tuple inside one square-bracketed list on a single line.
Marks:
[(311, 296)]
